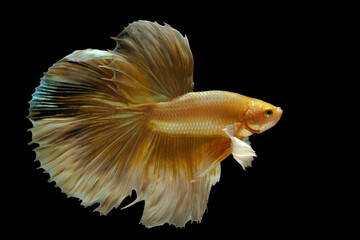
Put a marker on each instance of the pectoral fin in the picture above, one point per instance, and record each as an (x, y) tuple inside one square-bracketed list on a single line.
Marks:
[(242, 151)]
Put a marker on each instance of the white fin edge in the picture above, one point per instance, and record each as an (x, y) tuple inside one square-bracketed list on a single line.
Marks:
[(241, 151)]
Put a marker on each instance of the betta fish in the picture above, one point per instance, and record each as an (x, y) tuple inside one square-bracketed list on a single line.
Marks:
[(110, 122)]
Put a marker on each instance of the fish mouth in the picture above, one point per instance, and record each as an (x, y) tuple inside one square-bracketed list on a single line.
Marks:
[(279, 111)]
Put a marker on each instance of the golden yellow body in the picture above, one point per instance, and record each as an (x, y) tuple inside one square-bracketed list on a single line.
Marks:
[(205, 114)]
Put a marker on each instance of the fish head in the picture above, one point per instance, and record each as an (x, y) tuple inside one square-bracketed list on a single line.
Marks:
[(261, 116)]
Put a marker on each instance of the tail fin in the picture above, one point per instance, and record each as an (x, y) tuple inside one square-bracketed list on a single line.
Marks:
[(89, 118), (85, 127)]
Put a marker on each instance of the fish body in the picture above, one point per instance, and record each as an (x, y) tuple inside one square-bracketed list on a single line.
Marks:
[(206, 114), (110, 122)]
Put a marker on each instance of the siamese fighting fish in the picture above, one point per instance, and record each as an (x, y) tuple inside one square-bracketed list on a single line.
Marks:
[(108, 123)]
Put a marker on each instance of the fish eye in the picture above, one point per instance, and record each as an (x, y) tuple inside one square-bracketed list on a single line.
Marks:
[(268, 112)]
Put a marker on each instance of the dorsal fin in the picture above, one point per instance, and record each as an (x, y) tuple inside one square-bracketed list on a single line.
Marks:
[(161, 54)]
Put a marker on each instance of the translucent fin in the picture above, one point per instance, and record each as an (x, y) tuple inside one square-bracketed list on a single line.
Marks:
[(172, 188), (241, 150), (161, 54), (86, 129)]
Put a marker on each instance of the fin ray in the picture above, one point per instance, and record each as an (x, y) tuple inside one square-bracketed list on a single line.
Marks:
[(167, 59)]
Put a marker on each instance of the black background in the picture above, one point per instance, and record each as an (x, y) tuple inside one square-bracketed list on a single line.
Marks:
[(267, 52)]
